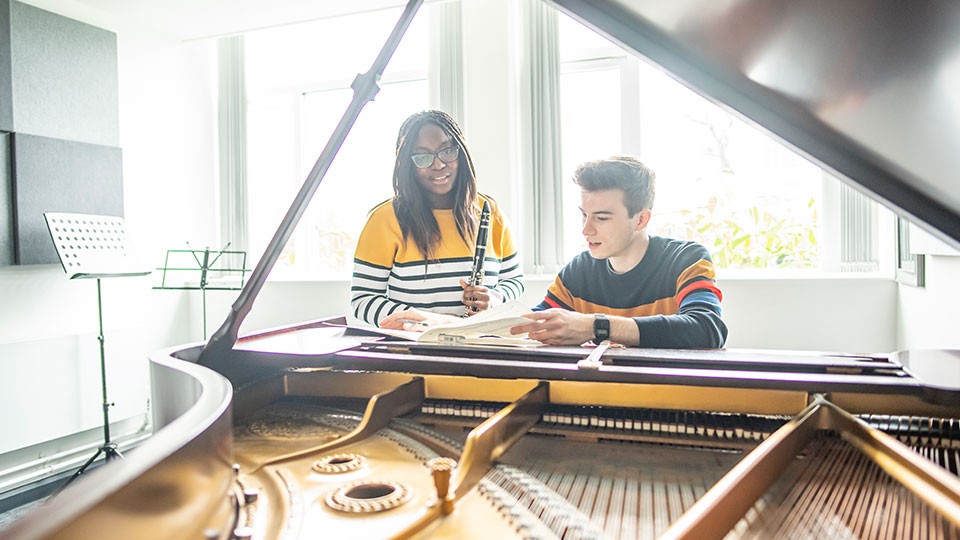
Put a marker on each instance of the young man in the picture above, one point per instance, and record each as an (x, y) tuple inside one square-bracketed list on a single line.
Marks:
[(630, 288)]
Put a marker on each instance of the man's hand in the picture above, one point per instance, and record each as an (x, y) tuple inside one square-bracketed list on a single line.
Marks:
[(557, 327), (475, 297), (399, 320)]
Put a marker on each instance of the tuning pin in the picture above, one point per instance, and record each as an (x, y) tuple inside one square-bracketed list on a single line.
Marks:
[(442, 468)]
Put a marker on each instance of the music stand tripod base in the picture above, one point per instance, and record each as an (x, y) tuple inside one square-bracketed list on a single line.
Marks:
[(94, 247)]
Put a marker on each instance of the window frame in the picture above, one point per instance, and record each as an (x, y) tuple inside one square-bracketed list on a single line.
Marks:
[(631, 141), (433, 73), (833, 209), (910, 266)]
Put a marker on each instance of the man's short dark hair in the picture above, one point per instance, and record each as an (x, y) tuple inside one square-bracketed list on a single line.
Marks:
[(626, 173)]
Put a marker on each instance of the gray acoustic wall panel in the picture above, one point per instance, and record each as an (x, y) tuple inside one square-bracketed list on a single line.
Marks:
[(6, 88), (6, 202), (53, 175), (64, 77)]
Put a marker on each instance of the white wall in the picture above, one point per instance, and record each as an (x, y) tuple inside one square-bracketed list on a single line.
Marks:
[(49, 355), (929, 317), (826, 314)]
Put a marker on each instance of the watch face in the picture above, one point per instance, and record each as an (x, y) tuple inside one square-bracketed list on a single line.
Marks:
[(601, 328)]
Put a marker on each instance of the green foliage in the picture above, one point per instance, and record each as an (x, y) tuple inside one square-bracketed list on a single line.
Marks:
[(336, 249), (750, 238), (773, 232)]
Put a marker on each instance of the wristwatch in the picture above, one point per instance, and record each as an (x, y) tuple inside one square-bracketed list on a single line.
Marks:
[(601, 328)]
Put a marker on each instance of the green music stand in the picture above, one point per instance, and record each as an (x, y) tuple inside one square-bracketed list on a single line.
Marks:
[(179, 260)]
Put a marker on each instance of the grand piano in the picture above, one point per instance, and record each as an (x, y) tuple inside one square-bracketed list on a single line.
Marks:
[(319, 430)]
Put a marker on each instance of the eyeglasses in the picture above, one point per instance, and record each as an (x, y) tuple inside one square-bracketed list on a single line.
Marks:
[(447, 155)]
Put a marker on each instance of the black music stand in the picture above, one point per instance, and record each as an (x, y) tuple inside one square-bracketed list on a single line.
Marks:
[(94, 247)]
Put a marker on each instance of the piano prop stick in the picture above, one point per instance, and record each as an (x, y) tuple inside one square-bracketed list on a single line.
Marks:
[(476, 274), (365, 87)]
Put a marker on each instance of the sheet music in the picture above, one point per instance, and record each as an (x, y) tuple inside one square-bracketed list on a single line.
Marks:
[(490, 327)]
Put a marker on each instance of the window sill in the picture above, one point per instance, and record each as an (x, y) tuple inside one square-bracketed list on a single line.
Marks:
[(799, 275), (749, 275), (722, 275)]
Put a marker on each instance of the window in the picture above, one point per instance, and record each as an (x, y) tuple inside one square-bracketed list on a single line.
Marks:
[(910, 265), (587, 132), (298, 87), (751, 201)]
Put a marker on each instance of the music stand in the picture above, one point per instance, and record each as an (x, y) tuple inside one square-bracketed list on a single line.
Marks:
[(206, 260), (94, 247)]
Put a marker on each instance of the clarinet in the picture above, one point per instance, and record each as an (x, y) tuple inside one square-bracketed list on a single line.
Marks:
[(476, 274)]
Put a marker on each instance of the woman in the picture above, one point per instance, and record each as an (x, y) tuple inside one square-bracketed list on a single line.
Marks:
[(416, 251)]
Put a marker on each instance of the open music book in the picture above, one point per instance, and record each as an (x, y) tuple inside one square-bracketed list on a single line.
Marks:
[(491, 327)]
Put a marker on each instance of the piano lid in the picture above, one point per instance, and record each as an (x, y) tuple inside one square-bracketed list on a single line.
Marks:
[(868, 89)]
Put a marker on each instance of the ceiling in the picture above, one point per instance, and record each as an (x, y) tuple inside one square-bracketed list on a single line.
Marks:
[(198, 19)]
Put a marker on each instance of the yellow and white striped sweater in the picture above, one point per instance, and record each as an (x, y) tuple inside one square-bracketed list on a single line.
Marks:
[(389, 274)]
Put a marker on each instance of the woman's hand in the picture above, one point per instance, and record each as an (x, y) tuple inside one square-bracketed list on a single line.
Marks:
[(475, 297), (422, 320)]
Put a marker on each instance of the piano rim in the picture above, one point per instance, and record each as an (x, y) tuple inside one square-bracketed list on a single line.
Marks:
[(201, 427)]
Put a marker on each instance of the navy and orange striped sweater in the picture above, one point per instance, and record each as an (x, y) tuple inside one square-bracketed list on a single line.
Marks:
[(671, 294)]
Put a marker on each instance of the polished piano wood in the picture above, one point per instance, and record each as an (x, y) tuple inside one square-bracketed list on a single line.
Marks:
[(322, 428)]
